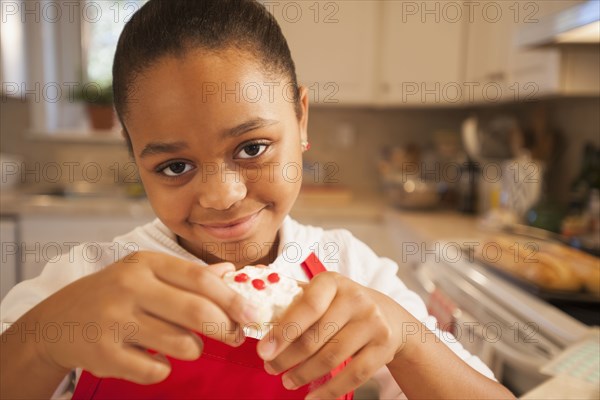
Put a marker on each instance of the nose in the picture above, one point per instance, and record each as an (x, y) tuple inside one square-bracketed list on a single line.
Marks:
[(220, 187)]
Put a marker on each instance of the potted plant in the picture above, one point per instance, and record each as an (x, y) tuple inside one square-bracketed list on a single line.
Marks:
[(99, 104)]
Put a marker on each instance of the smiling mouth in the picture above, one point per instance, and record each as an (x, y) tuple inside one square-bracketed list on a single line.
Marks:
[(231, 223), (231, 229)]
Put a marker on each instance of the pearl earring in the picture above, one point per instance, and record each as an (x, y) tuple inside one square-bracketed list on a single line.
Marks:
[(305, 145)]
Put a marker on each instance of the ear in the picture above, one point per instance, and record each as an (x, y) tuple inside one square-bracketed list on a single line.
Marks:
[(304, 113)]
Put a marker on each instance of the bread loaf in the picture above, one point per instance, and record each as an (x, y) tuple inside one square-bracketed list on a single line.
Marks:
[(585, 266), (527, 260)]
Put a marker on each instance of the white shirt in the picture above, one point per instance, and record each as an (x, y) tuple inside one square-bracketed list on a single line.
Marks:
[(337, 249)]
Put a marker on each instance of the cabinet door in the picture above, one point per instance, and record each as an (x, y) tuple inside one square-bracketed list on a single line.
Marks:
[(9, 262), (490, 27), (333, 46), (422, 53), (499, 69)]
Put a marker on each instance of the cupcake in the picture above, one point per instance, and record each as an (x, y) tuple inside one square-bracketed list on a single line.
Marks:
[(269, 291)]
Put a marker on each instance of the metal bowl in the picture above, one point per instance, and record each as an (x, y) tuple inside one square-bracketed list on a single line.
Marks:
[(410, 193)]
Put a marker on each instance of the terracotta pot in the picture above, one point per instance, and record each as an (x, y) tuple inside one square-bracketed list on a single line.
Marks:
[(102, 117)]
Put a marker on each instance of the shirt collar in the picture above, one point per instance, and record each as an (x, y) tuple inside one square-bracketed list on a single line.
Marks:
[(295, 242)]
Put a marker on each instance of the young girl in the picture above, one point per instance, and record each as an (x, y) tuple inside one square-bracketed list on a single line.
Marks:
[(207, 95)]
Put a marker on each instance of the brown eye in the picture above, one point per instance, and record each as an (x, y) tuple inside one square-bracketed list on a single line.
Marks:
[(252, 150), (176, 168)]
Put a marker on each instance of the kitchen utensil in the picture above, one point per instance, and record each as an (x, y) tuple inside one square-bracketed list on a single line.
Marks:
[(522, 183), (411, 193), (470, 138), (500, 139)]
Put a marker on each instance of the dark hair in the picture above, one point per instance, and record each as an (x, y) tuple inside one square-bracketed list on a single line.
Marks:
[(174, 27)]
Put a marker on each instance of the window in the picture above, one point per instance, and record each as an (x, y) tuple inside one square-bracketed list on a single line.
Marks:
[(101, 27), (64, 44)]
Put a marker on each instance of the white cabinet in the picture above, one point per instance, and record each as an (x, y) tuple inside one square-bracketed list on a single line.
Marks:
[(499, 69), (399, 53), (333, 46), (372, 52), (489, 46), (45, 237), (538, 68), (422, 54)]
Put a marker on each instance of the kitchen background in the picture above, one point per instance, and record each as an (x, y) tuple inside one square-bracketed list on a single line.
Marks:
[(390, 90)]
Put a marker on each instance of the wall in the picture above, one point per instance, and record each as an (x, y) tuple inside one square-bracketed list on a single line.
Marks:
[(41, 155), (373, 130)]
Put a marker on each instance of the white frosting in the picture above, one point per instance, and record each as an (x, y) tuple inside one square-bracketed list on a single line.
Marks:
[(270, 302)]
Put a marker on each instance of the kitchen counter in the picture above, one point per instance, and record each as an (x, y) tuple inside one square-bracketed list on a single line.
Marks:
[(427, 226), (22, 203), (401, 229), (433, 225), (402, 235), (17, 203)]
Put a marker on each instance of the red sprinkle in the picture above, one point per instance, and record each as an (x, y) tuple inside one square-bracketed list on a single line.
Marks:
[(241, 277), (273, 277), (258, 284)]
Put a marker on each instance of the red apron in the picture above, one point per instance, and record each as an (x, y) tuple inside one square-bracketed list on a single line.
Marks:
[(221, 372)]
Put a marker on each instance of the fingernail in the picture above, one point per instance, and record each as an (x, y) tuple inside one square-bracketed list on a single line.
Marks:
[(270, 369), (229, 267), (288, 383), (266, 350)]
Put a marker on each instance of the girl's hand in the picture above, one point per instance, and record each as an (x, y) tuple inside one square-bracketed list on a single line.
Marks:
[(108, 319), (336, 318)]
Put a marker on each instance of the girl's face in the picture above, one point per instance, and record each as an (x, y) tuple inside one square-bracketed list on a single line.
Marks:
[(217, 144)]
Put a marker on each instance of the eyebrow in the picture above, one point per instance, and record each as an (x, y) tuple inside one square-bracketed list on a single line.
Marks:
[(247, 126), (162, 147), (173, 147)]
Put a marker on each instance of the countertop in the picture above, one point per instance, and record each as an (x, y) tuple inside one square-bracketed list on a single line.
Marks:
[(16, 203), (25, 203), (369, 208)]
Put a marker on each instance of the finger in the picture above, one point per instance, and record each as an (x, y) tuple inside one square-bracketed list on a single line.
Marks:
[(195, 278), (196, 313), (220, 269), (344, 345), (135, 365), (333, 321), (358, 371), (301, 314), (163, 337)]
